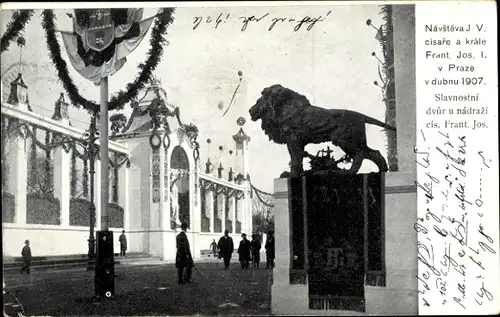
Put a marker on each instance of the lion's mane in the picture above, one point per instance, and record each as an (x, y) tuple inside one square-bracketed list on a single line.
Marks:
[(283, 119)]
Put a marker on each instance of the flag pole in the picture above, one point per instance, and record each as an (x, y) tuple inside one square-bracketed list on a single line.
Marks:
[(105, 266), (103, 122)]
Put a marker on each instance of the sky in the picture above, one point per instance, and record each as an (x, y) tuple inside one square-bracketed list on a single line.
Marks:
[(331, 64)]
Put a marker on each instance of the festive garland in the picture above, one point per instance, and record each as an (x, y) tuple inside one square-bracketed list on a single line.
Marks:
[(15, 27), (157, 41), (74, 175)]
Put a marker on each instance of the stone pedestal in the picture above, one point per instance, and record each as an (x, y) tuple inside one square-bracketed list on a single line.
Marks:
[(399, 296), (287, 299)]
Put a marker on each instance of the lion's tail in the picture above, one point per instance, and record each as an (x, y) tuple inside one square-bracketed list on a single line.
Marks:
[(370, 120)]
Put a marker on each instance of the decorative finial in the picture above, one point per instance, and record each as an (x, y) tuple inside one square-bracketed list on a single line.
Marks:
[(19, 92), (208, 166), (61, 110), (241, 121), (219, 170)]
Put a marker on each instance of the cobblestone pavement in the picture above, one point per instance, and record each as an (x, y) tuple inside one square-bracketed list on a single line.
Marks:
[(142, 290)]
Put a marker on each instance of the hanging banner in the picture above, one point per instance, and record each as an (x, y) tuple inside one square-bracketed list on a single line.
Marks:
[(336, 206), (102, 39)]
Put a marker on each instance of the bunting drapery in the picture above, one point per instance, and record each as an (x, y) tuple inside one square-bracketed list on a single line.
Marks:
[(103, 38)]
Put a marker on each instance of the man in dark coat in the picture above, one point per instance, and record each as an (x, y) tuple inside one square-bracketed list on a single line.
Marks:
[(26, 254), (244, 251), (123, 244), (226, 248), (270, 250), (256, 246), (183, 257), (213, 248)]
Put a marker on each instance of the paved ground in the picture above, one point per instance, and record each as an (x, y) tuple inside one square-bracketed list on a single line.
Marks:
[(142, 290)]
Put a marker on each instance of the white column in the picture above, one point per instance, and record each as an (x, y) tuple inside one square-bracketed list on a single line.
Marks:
[(209, 207), (194, 207), (247, 203), (221, 204), (97, 196), (18, 176), (62, 179), (164, 208), (123, 194), (167, 199), (239, 213), (243, 214), (232, 212), (248, 213)]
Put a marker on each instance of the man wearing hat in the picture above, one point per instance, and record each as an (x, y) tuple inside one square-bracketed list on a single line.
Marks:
[(26, 253), (244, 251), (226, 248), (270, 250), (183, 257)]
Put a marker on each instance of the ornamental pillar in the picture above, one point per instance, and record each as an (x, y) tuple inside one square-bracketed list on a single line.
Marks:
[(209, 207), (221, 206), (62, 179), (62, 164), (18, 176), (232, 212), (242, 139), (123, 194)]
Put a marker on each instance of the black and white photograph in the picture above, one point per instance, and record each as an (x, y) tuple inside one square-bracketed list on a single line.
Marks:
[(209, 159)]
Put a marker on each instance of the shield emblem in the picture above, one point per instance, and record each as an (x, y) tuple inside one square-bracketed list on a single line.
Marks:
[(22, 94), (64, 110), (100, 29)]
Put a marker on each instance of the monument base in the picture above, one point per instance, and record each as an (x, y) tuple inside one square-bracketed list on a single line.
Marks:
[(393, 293), (400, 293)]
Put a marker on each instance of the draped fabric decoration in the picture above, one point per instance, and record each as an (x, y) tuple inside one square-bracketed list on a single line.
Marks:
[(103, 38)]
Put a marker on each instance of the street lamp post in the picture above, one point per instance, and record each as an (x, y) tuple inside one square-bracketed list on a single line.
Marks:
[(91, 136)]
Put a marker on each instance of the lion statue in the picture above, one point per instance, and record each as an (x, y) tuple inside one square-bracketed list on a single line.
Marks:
[(289, 118)]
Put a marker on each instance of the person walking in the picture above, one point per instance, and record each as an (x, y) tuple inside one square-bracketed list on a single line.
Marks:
[(244, 251), (213, 247), (269, 250), (255, 246), (26, 254), (123, 244), (183, 259), (226, 248)]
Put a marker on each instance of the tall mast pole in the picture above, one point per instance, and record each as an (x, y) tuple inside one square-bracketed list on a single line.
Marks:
[(103, 122)]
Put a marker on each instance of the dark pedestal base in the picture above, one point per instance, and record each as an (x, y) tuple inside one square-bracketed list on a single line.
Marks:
[(104, 265)]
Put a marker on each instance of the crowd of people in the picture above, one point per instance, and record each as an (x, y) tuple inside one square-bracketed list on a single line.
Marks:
[(248, 251)]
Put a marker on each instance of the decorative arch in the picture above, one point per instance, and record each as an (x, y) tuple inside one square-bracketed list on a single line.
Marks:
[(179, 159), (180, 187)]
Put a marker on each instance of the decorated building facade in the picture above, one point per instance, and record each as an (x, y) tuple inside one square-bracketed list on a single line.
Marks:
[(51, 174)]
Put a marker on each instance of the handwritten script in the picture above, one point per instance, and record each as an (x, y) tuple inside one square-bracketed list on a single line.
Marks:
[(272, 22), (455, 242)]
